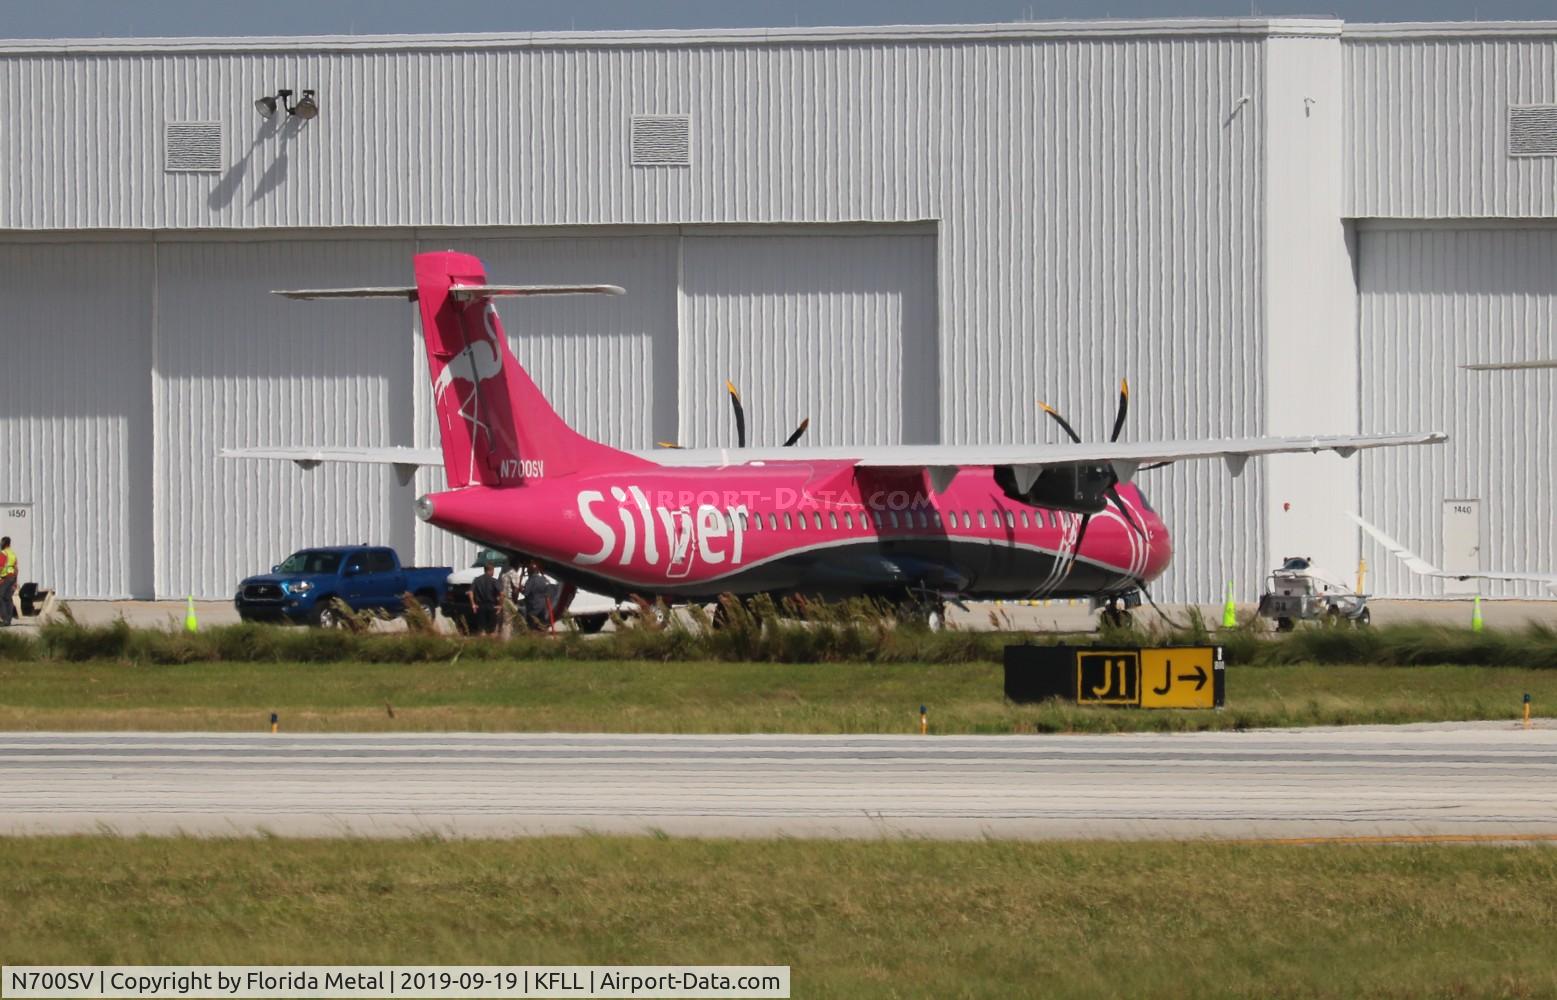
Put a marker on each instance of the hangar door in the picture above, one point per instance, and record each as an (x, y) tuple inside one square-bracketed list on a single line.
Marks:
[(1433, 299), (838, 328), (75, 413)]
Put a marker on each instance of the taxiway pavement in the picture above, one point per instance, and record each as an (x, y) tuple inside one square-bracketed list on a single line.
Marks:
[(1474, 779)]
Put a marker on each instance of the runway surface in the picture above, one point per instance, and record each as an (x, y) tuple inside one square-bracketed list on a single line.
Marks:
[(1481, 780)]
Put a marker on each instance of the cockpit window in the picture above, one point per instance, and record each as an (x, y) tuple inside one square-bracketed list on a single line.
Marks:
[(1296, 562)]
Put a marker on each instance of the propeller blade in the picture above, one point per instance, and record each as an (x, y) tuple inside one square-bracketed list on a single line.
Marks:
[(1118, 502), (1124, 408), (740, 415), (1154, 465), (789, 442), (667, 444), (1065, 424), (1081, 533)]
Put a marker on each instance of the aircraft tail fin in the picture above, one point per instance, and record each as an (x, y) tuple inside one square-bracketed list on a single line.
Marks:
[(496, 427)]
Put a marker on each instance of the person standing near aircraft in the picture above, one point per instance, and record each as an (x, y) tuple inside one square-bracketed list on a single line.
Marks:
[(510, 583), (486, 596), (540, 597), (7, 581)]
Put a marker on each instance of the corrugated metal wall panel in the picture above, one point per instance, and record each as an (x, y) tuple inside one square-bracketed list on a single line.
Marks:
[(1432, 300), (606, 363), (75, 414), (840, 329), (1097, 198), (1138, 256), (238, 367), (467, 137), (1427, 126)]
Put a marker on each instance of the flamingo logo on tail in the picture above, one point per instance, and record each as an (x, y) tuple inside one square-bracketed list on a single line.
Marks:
[(482, 360)]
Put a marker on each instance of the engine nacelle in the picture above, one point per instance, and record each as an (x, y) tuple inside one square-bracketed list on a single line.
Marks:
[(1075, 488)]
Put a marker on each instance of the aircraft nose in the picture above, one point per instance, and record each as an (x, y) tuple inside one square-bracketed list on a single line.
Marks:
[(424, 508)]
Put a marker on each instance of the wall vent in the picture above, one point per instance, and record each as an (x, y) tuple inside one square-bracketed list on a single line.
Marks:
[(192, 146), (662, 140), (1532, 130)]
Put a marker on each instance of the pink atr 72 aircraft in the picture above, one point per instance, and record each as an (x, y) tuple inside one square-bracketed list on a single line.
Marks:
[(914, 523)]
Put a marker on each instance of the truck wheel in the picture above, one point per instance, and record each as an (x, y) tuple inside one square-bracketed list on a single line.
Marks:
[(325, 615), (1363, 619), (1283, 624), (429, 604), (590, 624)]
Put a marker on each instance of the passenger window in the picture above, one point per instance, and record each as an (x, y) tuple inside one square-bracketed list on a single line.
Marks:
[(800, 521), (817, 517), (848, 520), (967, 519), (789, 525), (924, 519), (875, 515), (982, 522), (1024, 519), (1010, 519), (832, 519), (891, 518), (772, 522)]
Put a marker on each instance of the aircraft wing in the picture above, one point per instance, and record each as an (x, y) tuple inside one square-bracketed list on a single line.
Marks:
[(1503, 366), (1126, 457), (1422, 567), (943, 460)]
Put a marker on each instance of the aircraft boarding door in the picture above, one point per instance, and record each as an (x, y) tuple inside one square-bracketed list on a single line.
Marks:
[(1461, 544), (16, 521)]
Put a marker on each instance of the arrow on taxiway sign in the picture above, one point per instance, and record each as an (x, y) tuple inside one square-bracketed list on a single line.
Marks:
[(1199, 677)]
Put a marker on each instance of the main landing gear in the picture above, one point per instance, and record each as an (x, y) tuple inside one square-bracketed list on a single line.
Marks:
[(926, 611), (1116, 614)]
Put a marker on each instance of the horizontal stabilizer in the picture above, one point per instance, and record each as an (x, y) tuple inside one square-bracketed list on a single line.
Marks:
[(310, 457), (461, 292)]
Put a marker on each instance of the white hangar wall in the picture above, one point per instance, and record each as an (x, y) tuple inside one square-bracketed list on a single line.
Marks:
[(1427, 134), (1435, 298), (75, 411), (1456, 248), (1095, 195)]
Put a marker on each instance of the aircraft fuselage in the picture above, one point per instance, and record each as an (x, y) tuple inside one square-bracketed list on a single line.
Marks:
[(819, 528)]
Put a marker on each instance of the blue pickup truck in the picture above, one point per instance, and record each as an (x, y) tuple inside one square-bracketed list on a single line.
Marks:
[(364, 577)]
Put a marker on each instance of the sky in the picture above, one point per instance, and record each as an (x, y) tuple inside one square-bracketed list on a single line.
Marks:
[(156, 18)]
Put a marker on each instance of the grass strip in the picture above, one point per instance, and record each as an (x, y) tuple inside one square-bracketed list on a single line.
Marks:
[(709, 697), (857, 632), (852, 919)]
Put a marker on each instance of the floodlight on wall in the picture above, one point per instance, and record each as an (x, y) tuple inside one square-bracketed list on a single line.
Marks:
[(306, 108)]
